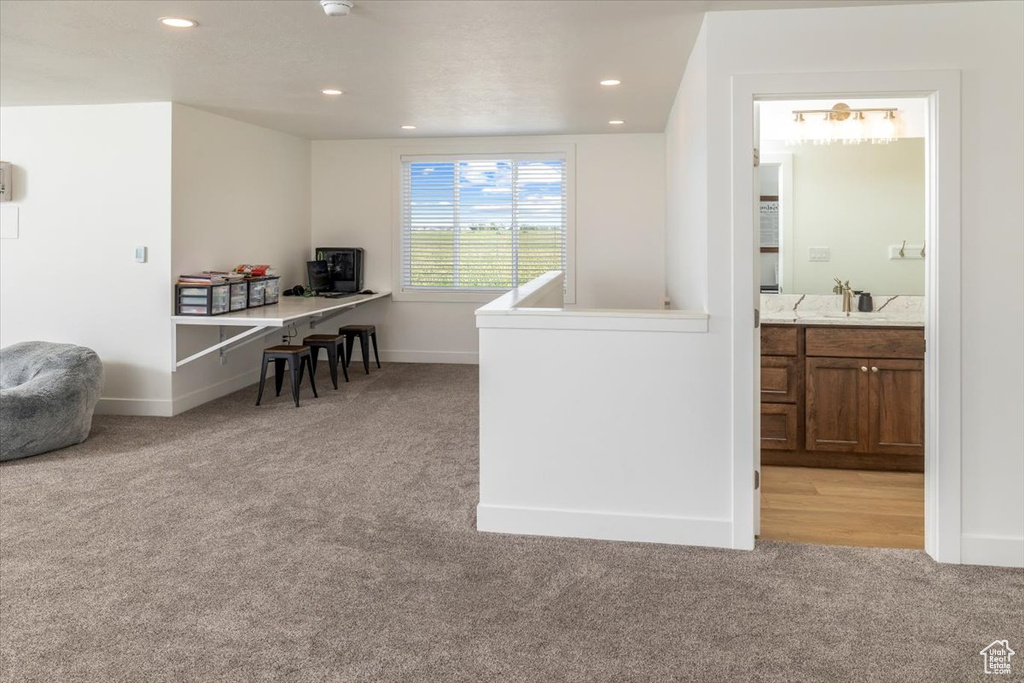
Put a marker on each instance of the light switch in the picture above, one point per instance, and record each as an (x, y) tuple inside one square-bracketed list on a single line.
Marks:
[(819, 254), (140, 254)]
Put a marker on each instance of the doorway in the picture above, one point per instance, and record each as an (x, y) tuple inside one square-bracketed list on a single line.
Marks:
[(842, 255), (941, 365)]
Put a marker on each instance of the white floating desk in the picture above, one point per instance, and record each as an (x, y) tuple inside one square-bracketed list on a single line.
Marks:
[(264, 320)]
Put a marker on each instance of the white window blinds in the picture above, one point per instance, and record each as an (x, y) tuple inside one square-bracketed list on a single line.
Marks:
[(478, 223)]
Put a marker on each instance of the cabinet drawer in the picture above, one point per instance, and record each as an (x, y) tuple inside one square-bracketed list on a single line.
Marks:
[(779, 340), (781, 379), (778, 426), (864, 342)]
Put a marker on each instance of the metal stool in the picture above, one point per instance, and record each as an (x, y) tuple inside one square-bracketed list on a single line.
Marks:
[(365, 334), (297, 357), (330, 343)]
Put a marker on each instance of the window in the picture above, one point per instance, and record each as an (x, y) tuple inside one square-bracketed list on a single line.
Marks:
[(474, 225)]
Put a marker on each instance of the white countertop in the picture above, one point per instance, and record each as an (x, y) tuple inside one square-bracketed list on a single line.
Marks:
[(818, 309), (287, 310)]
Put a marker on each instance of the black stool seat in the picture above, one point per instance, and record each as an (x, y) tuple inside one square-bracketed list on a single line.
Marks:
[(297, 358), (331, 343), (366, 334)]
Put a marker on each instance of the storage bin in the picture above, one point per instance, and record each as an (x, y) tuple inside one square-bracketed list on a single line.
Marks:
[(273, 290), (257, 291), (193, 299), (239, 295)]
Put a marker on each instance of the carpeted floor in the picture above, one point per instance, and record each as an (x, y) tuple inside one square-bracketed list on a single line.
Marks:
[(336, 542)]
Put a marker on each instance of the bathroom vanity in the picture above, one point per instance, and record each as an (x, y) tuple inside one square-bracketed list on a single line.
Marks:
[(843, 390)]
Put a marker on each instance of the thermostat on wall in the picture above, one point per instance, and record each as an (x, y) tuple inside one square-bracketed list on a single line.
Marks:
[(5, 181)]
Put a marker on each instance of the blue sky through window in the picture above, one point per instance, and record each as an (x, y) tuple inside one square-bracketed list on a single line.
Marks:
[(483, 193)]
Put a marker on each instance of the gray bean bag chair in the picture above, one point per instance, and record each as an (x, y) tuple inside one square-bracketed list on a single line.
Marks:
[(47, 395)]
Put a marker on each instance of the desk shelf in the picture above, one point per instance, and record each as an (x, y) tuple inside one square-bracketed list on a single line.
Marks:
[(264, 320)]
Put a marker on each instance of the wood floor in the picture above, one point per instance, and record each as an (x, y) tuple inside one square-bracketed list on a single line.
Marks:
[(842, 507)]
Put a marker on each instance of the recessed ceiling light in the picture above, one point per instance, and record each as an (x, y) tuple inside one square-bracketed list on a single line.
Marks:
[(332, 91), (616, 122), (408, 127), (178, 22), (611, 81)]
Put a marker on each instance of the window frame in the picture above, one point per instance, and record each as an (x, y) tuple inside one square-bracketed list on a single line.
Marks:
[(479, 151)]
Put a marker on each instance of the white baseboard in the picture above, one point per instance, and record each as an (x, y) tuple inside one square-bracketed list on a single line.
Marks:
[(453, 357), (996, 551), (206, 394), (152, 407), (604, 526), (145, 407)]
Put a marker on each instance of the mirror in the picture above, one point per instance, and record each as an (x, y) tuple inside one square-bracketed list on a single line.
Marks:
[(852, 211)]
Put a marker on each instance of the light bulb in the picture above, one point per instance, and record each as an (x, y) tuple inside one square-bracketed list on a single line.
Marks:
[(853, 129), (821, 130), (795, 131), (885, 131)]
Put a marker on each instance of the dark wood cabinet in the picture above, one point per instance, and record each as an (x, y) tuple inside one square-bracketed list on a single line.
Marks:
[(837, 405), (779, 426), (896, 407), (843, 397)]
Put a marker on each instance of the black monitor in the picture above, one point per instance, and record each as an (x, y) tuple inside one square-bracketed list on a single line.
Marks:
[(319, 277)]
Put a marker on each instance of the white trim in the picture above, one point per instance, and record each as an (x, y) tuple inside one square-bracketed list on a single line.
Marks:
[(997, 551), (610, 320), (942, 361), (480, 150), (443, 357), (534, 306), (603, 525), (198, 397), (144, 407)]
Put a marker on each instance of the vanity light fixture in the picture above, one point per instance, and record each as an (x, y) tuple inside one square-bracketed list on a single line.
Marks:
[(178, 22), (611, 82), (332, 91), (407, 127), (616, 122), (844, 124)]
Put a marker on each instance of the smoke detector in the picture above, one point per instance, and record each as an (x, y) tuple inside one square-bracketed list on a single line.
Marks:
[(337, 8)]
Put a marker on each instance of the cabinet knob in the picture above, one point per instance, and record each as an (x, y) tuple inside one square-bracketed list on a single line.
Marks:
[(863, 369), (874, 369)]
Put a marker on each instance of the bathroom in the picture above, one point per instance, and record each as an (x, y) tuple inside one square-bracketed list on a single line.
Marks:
[(842, 271)]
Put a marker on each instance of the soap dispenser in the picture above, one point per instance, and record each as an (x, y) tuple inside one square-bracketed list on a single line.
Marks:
[(864, 303)]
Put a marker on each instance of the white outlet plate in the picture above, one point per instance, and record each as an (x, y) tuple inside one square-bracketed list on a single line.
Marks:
[(819, 254), (911, 252)]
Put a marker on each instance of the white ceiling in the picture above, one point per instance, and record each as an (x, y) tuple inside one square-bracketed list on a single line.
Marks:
[(450, 67)]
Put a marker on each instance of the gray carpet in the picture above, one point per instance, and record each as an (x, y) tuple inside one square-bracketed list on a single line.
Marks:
[(336, 542)]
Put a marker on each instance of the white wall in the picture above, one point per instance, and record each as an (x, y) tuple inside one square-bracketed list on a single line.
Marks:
[(91, 183), (241, 194), (619, 232), (858, 200), (986, 42), (568, 448), (686, 159)]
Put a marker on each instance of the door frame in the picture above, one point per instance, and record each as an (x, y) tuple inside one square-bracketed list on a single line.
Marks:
[(942, 457)]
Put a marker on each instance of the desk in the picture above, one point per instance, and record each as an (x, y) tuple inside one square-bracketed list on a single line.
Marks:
[(264, 320)]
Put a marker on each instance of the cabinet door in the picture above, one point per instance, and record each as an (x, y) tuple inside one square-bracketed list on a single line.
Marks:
[(837, 405), (781, 379), (897, 407)]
